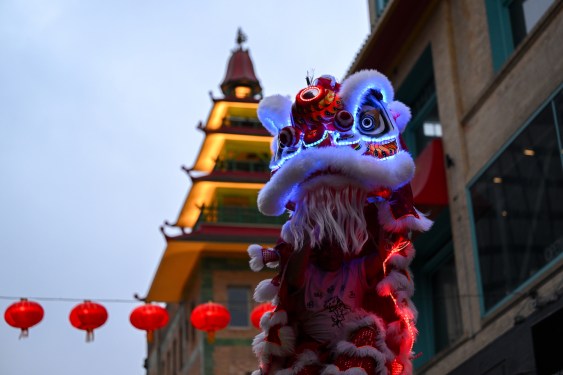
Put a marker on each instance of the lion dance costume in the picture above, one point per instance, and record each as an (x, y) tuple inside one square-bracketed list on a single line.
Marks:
[(343, 290)]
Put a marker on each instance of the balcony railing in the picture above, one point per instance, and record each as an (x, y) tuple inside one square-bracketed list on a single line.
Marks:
[(242, 122), (236, 215), (242, 166)]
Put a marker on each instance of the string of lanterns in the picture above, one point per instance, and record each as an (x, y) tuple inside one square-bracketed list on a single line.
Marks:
[(89, 316)]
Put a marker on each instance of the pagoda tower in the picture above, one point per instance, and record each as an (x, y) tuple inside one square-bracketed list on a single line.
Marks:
[(207, 259)]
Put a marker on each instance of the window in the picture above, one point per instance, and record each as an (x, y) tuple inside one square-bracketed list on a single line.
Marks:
[(238, 299), (517, 210), (559, 113), (418, 91), (380, 6), (509, 23), (436, 296), (243, 92), (445, 304), (424, 127)]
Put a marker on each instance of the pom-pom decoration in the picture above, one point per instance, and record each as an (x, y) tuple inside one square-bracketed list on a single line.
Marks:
[(149, 318), (259, 311), (24, 315), (88, 316), (210, 317)]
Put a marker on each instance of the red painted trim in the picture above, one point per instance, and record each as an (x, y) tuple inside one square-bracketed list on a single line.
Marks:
[(429, 183)]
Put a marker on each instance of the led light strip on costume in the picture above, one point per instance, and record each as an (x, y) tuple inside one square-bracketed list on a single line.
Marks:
[(398, 247)]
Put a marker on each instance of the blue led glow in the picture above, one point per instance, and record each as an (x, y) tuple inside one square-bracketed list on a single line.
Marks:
[(283, 160), (337, 138), (380, 142), (347, 143)]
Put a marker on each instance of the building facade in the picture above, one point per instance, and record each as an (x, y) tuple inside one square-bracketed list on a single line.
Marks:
[(207, 260), (484, 82)]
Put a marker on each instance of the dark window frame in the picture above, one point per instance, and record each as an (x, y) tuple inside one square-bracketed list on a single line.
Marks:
[(434, 249), (418, 91), (550, 104), (233, 309), (502, 31)]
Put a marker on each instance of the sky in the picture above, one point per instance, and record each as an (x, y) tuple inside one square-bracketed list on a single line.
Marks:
[(99, 102)]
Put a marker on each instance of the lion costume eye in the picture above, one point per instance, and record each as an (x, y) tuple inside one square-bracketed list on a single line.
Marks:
[(367, 122), (373, 123)]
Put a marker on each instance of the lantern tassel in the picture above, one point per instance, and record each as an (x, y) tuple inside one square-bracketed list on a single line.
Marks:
[(150, 336), (24, 333), (89, 336), (211, 337)]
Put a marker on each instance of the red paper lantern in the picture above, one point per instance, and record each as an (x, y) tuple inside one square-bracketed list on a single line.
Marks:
[(210, 317), (149, 318), (24, 315), (88, 316), (258, 311)]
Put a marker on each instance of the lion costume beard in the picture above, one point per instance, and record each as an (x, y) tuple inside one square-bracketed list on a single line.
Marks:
[(326, 213)]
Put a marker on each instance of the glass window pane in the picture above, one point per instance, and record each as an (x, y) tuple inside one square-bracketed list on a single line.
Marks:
[(429, 130), (238, 305), (380, 6), (524, 14), (447, 314), (518, 210), (559, 109)]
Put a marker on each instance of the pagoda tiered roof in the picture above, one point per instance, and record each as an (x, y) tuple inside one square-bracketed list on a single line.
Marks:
[(232, 162)]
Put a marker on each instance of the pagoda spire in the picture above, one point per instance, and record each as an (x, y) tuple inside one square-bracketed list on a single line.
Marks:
[(241, 37), (240, 80)]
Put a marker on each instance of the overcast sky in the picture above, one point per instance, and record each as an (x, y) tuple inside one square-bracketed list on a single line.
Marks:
[(98, 106)]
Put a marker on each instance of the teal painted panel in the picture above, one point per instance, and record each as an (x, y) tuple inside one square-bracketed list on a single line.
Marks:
[(500, 32)]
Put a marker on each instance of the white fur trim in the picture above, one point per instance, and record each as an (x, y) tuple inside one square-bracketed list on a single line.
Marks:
[(265, 291), (273, 264), (347, 348), (286, 232), (265, 349), (258, 344), (272, 318), (422, 223), (275, 113), (307, 358), (256, 372), (334, 181), (333, 370), (371, 320), (354, 88), (287, 371), (401, 261), (395, 281), (364, 319), (401, 114), (256, 261), (366, 171)]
